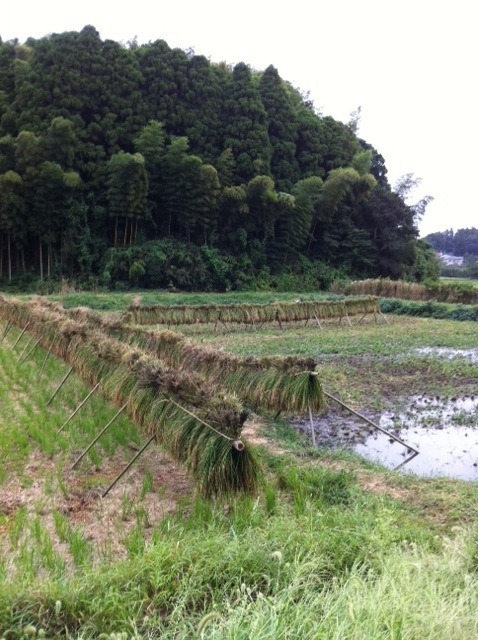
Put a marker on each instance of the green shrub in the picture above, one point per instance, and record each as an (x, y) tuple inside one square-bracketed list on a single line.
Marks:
[(438, 310)]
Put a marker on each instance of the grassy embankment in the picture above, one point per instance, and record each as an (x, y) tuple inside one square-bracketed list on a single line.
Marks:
[(331, 548), (112, 301)]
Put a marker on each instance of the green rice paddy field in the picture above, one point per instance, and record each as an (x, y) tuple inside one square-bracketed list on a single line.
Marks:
[(332, 547)]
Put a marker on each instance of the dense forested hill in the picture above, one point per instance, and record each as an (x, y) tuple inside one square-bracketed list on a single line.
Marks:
[(154, 166)]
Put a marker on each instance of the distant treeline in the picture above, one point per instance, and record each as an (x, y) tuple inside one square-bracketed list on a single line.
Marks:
[(460, 243), (112, 154)]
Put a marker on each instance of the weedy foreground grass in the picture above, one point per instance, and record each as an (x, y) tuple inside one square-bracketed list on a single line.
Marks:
[(331, 548)]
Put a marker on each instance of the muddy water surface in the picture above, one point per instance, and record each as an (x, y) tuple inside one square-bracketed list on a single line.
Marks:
[(445, 431), (470, 355)]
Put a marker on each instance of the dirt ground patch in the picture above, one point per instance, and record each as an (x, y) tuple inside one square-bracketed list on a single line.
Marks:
[(42, 490)]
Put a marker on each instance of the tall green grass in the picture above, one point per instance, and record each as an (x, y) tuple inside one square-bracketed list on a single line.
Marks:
[(268, 558)]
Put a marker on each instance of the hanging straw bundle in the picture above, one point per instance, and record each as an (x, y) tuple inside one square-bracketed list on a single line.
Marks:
[(270, 383), (252, 313), (198, 427)]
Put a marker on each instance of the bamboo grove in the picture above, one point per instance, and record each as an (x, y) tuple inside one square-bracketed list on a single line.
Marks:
[(164, 380), (255, 314), (150, 166)]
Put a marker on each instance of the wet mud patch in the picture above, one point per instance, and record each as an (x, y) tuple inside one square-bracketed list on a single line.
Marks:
[(444, 430)]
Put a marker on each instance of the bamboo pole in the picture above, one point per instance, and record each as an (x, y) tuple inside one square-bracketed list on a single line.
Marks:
[(45, 360), (384, 317), (193, 415), (20, 336), (79, 407), (60, 386), (407, 460), (95, 440), (30, 352), (128, 466), (312, 429), (26, 347), (8, 326)]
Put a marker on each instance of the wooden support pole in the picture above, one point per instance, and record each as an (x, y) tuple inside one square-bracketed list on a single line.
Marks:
[(8, 326), (407, 460), (193, 415), (95, 440), (312, 429), (79, 406), (279, 320), (26, 347), (45, 360), (20, 336), (318, 321), (348, 318), (30, 352), (60, 385), (128, 466), (384, 317)]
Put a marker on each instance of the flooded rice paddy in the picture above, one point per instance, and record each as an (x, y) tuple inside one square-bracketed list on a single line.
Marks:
[(444, 430), (470, 355)]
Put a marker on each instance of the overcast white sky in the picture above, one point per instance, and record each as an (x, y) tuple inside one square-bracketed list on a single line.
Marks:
[(410, 65)]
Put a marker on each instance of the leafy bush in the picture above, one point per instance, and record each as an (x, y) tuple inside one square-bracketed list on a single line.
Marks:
[(430, 309), (170, 264)]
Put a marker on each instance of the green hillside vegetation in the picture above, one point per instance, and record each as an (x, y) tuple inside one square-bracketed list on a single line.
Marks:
[(150, 166)]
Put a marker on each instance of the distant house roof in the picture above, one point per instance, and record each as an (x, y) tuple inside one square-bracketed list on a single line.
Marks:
[(449, 261)]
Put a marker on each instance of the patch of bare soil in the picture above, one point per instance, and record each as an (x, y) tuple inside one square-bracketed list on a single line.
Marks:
[(251, 433), (127, 503), (43, 489)]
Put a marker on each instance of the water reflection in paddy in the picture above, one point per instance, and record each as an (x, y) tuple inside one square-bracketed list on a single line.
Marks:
[(444, 430)]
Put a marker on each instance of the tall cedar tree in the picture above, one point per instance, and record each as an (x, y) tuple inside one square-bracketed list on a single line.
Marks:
[(282, 129), (246, 125)]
